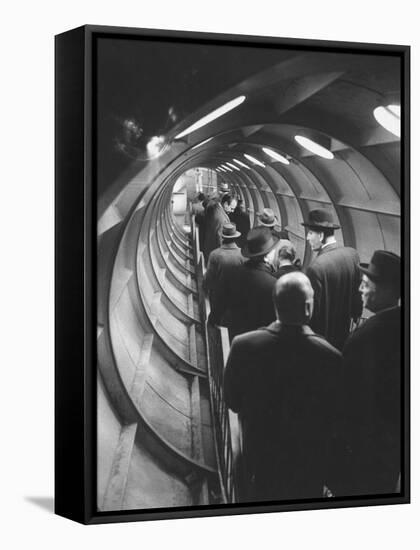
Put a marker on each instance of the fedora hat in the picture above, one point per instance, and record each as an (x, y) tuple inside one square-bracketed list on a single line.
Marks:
[(383, 267), (259, 242), (267, 218), (229, 231), (320, 219), (224, 187)]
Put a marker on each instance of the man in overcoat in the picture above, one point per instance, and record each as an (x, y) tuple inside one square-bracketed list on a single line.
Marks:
[(197, 205), (241, 219), (335, 277), (284, 383), (372, 360), (216, 215), (221, 259), (243, 299)]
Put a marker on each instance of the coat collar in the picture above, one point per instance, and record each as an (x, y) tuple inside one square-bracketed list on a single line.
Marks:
[(327, 248), (230, 246), (260, 266), (277, 327)]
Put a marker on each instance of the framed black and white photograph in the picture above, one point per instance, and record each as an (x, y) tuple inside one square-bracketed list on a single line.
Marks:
[(232, 274)]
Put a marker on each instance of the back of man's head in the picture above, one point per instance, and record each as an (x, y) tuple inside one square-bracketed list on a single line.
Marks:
[(287, 251), (293, 299)]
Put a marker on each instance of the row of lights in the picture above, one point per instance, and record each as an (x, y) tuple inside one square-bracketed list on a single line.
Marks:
[(303, 141), (388, 117)]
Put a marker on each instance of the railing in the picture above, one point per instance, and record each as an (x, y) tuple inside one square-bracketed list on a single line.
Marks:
[(225, 422)]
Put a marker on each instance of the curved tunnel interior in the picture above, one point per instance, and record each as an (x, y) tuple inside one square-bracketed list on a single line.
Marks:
[(156, 441)]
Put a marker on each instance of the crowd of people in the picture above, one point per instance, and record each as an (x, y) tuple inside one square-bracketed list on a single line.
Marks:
[(317, 391)]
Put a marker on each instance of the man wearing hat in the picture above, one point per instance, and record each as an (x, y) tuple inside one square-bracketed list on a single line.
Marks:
[(284, 382), (335, 278), (372, 359), (220, 259), (267, 218), (216, 214), (224, 188), (243, 297), (217, 196), (241, 218)]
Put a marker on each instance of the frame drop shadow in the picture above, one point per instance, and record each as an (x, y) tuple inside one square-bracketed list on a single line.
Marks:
[(46, 503)]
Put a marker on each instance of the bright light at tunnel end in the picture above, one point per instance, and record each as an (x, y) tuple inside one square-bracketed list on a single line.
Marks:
[(220, 111), (314, 147), (389, 118)]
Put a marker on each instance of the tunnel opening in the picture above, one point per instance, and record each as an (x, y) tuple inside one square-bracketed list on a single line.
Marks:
[(185, 191)]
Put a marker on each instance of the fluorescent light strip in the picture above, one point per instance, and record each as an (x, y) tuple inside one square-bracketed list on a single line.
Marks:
[(254, 160), (314, 147), (389, 118), (213, 115), (202, 143), (242, 164), (233, 166), (227, 168), (275, 156)]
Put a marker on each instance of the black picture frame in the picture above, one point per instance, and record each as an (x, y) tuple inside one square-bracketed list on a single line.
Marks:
[(76, 271)]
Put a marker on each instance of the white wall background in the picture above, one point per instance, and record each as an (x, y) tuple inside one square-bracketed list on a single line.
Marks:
[(26, 482)]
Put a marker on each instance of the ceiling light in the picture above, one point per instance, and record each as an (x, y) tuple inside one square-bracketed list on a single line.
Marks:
[(233, 166), (314, 147), (254, 160), (241, 164), (227, 168), (212, 116), (275, 156), (389, 118), (222, 169), (202, 143)]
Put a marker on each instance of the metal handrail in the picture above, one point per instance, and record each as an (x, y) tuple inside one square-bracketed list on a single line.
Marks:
[(225, 423)]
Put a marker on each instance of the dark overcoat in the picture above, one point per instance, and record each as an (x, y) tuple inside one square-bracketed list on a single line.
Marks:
[(214, 219), (200, 223), (372, 361), (221, 259), (335, 277), (244, 298), (285, 270), (241, 219), (284, 382)]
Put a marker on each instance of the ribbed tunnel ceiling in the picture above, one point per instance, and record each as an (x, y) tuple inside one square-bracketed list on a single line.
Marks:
[(329, 96)]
